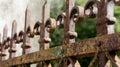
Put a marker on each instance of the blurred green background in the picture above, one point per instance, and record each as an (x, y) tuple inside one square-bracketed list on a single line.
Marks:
[(85, 30)]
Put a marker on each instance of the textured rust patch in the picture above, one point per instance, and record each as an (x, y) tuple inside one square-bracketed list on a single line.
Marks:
[(88, 48)]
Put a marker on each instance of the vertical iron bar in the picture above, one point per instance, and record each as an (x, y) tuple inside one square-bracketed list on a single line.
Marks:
[(43, 31), (26, 40), (69, 26), (102, 27), (5, 30), (12, 49)]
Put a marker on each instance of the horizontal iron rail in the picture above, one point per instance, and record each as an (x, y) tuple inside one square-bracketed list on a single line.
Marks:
[(83, 48)]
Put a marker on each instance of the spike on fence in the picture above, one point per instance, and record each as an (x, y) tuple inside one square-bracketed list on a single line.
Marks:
[(46, 28), (26, 40), (3, 51), (102, 46), (12, 49), (69, 29)]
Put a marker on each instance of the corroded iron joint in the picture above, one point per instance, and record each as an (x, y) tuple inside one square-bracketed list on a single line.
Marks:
[(26, 46), (47, 40), (20, 36), (60, 20), (50, 25), (36, 29), (7, 43), (72, 34), (117, 2), (15, 38), (30, 32), (110, 20), (12, 50), (106, 20), (77, 14), (3, 53), (90, 11)]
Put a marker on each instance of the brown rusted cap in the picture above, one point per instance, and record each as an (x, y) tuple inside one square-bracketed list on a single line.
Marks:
[(50, 25), (5, 44), (3, 53), (106, 20), (30, 32), (16, 38), (47, 40), (77, 14), (13, 50), (60, 20), (20, 36), (110, 20), (26, 45), (72, 34), (36, 29), (89, 9)]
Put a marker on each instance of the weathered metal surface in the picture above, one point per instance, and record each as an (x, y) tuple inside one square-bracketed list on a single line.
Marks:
[(105, 19), (68, 26), (101, 24), (77, 14), (103, 47), (80, 49)]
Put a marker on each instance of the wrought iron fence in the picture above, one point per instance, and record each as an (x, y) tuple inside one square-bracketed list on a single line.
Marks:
[(103, 47)]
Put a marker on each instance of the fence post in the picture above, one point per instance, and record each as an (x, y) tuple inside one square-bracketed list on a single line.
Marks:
[(26, 40), (3, 52), (76, 16), (12, 50), (44, 34), (101, 28)]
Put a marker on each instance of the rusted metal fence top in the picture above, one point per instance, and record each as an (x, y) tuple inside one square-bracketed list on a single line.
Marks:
[(103, 47)]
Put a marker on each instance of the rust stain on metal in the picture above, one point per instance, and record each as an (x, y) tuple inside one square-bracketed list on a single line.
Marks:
[(88, 48), (101, 46), (45, 27)]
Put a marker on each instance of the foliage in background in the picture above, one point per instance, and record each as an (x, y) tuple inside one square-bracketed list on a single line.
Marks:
[(85, 29)]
